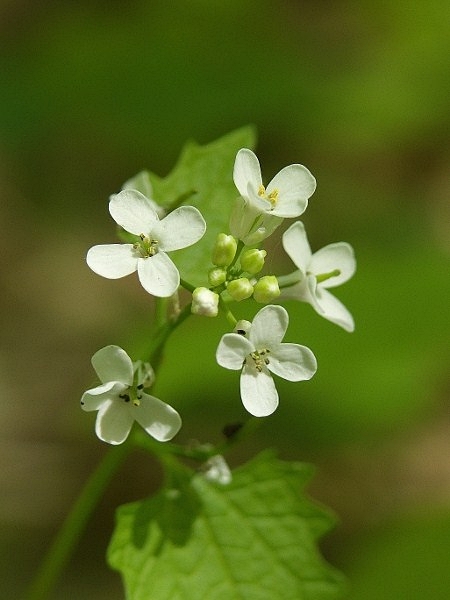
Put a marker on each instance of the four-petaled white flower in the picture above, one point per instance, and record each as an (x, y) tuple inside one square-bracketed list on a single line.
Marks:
[(157, 273), (285, 196), (120, 400), (258, 351), (327, 268)]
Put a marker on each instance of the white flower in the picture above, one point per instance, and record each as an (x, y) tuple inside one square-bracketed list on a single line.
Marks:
[(156, 271), (120, 400), (327, 268), (285, 196), (260, 352)]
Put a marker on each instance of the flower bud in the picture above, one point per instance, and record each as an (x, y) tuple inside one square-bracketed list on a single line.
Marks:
[(217, 276), (266, 289), (240, 289), (242, 327), (252, 260), (224, 250), (205, 302), (217, 470)]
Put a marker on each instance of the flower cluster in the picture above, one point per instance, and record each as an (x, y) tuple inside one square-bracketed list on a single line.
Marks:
[(255, 348)]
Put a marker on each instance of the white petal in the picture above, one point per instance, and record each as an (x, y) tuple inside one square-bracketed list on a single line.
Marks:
[(297, 246), (334, 256), (114, 421), (158, 275), (303, 291), (312, 288), (94, 398), (112, 260), (296, 291), (232, 350), (246, 172), (258, 391), (295, 184), (292, 362), (132, 210), (268, 327), (159, 420), (333, 310), (181, 228), (112, 363)]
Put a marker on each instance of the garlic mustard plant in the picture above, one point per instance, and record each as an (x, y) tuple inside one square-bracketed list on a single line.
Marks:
[(222, 274)]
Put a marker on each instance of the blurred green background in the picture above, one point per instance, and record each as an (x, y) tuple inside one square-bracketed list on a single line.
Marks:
[(93, 92)]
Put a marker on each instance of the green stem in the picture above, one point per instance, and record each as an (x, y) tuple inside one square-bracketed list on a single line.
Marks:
[(229, 315), (156, 348), (74, 525), (288, 280), (249, 427), (187, 286), (160, 311), (240, 247)]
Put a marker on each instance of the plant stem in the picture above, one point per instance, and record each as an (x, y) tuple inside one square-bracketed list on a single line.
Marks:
[(288, 280), (75, 523), (228, 314), (156, 349)]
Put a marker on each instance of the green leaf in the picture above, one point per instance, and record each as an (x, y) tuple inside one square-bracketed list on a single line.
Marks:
[(255, 539), (203, 177)]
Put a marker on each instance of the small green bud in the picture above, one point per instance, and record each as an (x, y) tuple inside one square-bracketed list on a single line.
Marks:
[(266, 289), (240, 289), (224, 250), (252, 260), (217, 276), (205, 302)]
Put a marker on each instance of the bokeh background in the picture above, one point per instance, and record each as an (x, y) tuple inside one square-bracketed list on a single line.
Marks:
[(91, 93)]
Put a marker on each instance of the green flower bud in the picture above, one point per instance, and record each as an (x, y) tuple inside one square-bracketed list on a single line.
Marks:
[(240, 289), (266, 289), (224, 250), (205, 302), (217, 276), (252, 260)]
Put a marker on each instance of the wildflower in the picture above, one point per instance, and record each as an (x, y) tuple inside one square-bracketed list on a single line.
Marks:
[(327, 268), (148, 255), (120, 399), (285, 196), (258, 350)]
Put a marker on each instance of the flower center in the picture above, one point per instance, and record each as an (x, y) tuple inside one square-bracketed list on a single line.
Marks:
[(132, 395), (146, 246), (272, 197), (260, 358)]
